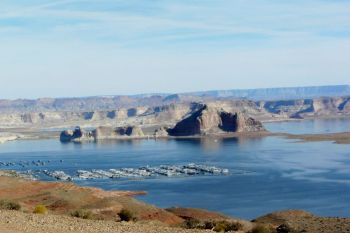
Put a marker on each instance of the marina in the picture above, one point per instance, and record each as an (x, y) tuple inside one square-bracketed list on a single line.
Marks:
[(190, 169), (24, 164), (59, 175)]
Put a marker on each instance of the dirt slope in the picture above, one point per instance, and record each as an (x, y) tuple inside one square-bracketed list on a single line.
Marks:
[(64, 198), (302, 221), (19, 222)]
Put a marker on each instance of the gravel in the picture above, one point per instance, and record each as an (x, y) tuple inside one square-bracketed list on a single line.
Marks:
[(19, 222)]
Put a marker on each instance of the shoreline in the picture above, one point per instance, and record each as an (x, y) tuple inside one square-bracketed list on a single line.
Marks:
[(61, 198), (307, 118), (40, 133), (338, 138)]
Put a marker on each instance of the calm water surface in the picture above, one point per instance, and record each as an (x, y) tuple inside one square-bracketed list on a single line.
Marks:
[(316, 126), (282, 174)]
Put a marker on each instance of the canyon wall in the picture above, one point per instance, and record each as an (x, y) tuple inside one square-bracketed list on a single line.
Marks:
[(170, 114)]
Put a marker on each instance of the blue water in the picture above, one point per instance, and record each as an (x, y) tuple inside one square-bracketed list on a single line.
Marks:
[(283, 174), (316, 126)]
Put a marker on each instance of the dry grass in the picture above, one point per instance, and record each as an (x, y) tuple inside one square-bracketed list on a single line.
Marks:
[(301, 221), (65, 198)]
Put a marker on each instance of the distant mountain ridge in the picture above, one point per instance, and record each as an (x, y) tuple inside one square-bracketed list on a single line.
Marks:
[(283, 93), (152, 100), (276, 93)]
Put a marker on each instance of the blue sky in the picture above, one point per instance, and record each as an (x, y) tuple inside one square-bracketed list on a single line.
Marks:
[(84, 47)]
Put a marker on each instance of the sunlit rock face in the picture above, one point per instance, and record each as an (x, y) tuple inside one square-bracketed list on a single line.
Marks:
[(114, 133), (213, 120)]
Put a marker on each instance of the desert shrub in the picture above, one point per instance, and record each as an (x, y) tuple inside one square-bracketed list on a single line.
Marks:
[(209, 225), (84, 214), (234, 226), (263, 229), (9, 205), (192, 223), (284, 229), (40, 209), (225, 226), (126, 215), (220, 227)]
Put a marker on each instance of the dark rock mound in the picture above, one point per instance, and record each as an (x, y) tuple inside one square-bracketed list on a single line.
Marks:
[(75, 135)]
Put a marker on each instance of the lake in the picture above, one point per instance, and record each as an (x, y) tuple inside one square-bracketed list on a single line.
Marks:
[(278, 173), (316, 126)]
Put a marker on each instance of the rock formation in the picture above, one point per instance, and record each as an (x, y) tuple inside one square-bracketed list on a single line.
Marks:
[(325, 106), (211, 120), (161, 132), (104, 132), (5, 137), (75, 135)]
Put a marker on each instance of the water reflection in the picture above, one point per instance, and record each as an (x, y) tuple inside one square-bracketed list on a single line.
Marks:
[(211, 144), (310, 126)]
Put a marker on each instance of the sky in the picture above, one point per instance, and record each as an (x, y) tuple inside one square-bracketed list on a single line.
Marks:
[(51, 48)]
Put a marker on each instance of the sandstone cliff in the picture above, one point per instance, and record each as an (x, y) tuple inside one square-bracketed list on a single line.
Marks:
[(211, 120), (76, 135), (103, 103), (169, 114), (102, 132), (116, 133), (325, 106)]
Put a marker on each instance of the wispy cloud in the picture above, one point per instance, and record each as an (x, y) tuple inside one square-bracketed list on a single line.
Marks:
[(271, 42), (119, 21)]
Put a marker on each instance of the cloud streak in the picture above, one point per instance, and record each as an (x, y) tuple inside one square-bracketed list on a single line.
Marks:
[(231, 18), (160, 44)]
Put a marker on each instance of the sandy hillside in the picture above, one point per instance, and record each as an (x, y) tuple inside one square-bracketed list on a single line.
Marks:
[(19, 222)]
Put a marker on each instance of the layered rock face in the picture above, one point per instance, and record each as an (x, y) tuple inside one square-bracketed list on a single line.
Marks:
[(102, 132), (76, 135), (115, 133), (168, 115), (325, 106), (211, 120), (207, 120)]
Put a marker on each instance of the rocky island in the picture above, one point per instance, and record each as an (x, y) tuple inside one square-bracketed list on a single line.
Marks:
[(211, 120), (207, 120)]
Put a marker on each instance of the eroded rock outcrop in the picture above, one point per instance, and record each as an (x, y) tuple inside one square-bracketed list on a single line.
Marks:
[(161, 132), (76, 135), (212, 120), (104, 132), (5, 137)]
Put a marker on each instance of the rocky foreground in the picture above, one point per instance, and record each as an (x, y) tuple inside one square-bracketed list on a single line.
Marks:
[(71, 208), (19, 222)]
